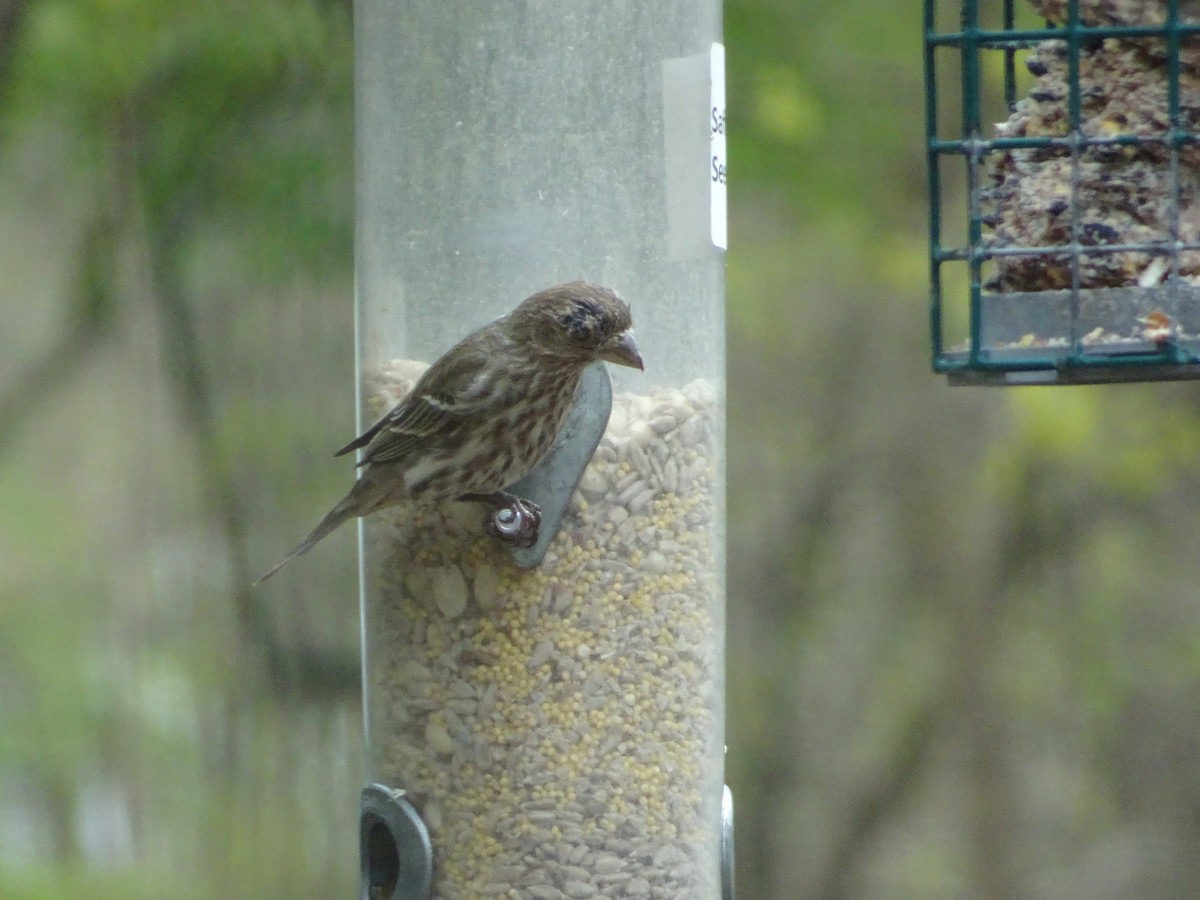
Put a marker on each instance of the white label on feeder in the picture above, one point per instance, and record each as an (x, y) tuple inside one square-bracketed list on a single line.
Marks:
[(716, 172)]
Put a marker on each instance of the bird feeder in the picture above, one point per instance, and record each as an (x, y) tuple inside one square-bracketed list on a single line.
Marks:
[(547, 721), (1063, 142)]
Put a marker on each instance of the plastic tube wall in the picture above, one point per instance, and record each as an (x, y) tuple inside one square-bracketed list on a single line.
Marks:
[(558, 728)]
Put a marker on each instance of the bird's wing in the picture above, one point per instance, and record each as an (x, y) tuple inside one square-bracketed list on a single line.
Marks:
[(365, 438), (447, 393)]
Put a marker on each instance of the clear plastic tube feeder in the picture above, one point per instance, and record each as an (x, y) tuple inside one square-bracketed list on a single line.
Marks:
[(547, 721)]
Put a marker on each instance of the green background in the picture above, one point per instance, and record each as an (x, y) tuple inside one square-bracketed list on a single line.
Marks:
[(964, 636)]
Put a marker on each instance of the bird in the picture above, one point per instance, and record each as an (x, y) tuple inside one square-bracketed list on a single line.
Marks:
[(487, 411)]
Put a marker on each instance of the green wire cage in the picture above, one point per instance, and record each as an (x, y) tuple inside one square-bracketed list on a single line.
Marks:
[(1063, 141)]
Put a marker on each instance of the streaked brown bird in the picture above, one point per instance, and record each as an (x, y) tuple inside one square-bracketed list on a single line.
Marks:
[(489, 409)]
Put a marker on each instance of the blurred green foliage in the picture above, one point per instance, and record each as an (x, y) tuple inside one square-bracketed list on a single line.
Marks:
[(963, 641), (240, 110)]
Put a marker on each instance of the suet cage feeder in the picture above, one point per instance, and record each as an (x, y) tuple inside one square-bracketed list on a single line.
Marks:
[(1063, 141), (548, 722)]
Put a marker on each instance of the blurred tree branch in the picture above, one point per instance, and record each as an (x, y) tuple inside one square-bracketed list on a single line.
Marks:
[(89, 319), (876, 801), (91, 303), (174, 188), (305, 672), (182, 139)]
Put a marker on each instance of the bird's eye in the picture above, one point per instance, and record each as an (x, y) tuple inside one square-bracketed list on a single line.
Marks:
[(582, 321)]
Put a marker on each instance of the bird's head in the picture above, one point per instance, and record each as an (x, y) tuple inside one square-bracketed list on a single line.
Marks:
[(577, 322)]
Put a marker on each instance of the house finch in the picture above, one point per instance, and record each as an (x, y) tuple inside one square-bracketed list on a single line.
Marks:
[(487, 411)]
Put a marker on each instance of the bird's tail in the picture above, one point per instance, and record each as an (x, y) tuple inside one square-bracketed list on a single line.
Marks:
[(347, 508)]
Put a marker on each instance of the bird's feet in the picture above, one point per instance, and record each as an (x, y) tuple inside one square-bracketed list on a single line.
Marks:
[(512, 519)]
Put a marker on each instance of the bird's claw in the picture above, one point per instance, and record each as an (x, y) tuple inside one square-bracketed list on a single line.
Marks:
[(512, 519)]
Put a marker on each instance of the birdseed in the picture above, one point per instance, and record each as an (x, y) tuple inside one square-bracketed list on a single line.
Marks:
[(1126, 195), (560, 728)]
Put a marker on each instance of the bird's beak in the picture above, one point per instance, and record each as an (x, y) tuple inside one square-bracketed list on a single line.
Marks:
[(623, 351)]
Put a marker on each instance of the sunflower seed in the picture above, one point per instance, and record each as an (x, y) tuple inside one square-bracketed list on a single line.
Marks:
[(558, 727)]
